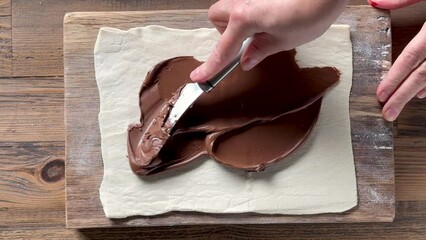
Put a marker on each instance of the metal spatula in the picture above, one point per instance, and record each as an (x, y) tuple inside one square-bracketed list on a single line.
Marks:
[(192, 91), (189, 93)]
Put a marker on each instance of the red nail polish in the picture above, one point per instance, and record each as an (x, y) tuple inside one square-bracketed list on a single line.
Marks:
[(374, 4)]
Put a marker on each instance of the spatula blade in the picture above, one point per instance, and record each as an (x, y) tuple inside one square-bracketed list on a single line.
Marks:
[(189, 93)]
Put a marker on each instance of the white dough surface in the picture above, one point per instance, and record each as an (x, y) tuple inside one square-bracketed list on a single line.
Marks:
[(317, 178)]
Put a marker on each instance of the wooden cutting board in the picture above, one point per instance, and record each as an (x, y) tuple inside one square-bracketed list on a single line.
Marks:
[(371, 135)]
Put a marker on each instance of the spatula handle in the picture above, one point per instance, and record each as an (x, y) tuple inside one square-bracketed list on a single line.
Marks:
[(210, 84)]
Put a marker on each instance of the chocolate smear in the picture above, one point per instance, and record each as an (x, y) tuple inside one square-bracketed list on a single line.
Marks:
[(249, 121)]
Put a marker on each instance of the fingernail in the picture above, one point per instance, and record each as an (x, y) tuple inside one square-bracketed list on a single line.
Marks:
[(248, 64), (390, 115), (421, 94), (195, 75), (374, 4), (383, 96)]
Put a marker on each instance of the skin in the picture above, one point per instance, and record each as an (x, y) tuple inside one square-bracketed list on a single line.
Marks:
[(285, 24), (407, 77), (275, 25)]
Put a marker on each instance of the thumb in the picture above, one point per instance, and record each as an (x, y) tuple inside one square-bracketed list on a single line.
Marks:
[(261, 47), (391, 4)]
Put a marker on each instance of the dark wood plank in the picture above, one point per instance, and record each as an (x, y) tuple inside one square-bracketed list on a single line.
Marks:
[(5, 39), (406, 23), (410, 153), (37, 28), (5, 8), (372, 137), (31, 184), (409, 224), (413, 15), (358, 2), (413, 229), (32, 109), (412, 122), (410, 143), (410, 216), (31, 153)]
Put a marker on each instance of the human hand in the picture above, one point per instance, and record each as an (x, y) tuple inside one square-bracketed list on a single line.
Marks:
[(275, 25), (407, 77), (392, 4)]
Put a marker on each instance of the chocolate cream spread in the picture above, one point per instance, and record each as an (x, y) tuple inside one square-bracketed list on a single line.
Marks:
[(250, 120)]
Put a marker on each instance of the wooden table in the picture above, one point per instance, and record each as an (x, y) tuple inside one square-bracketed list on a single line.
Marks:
[(32, 135)]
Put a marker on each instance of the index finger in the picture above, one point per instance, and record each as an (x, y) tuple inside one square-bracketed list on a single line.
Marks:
[(410, 58), (392, 4), (219, 14), (225, 51)]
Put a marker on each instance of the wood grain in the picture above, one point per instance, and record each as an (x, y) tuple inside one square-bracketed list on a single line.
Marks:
[(371, 136), (410, 153), (37, 28), (404, 28), (5, 8), (410, 16), (30, 222), (32, 109), (409, 224), (31, 152), (5, 39), (410, 143)]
